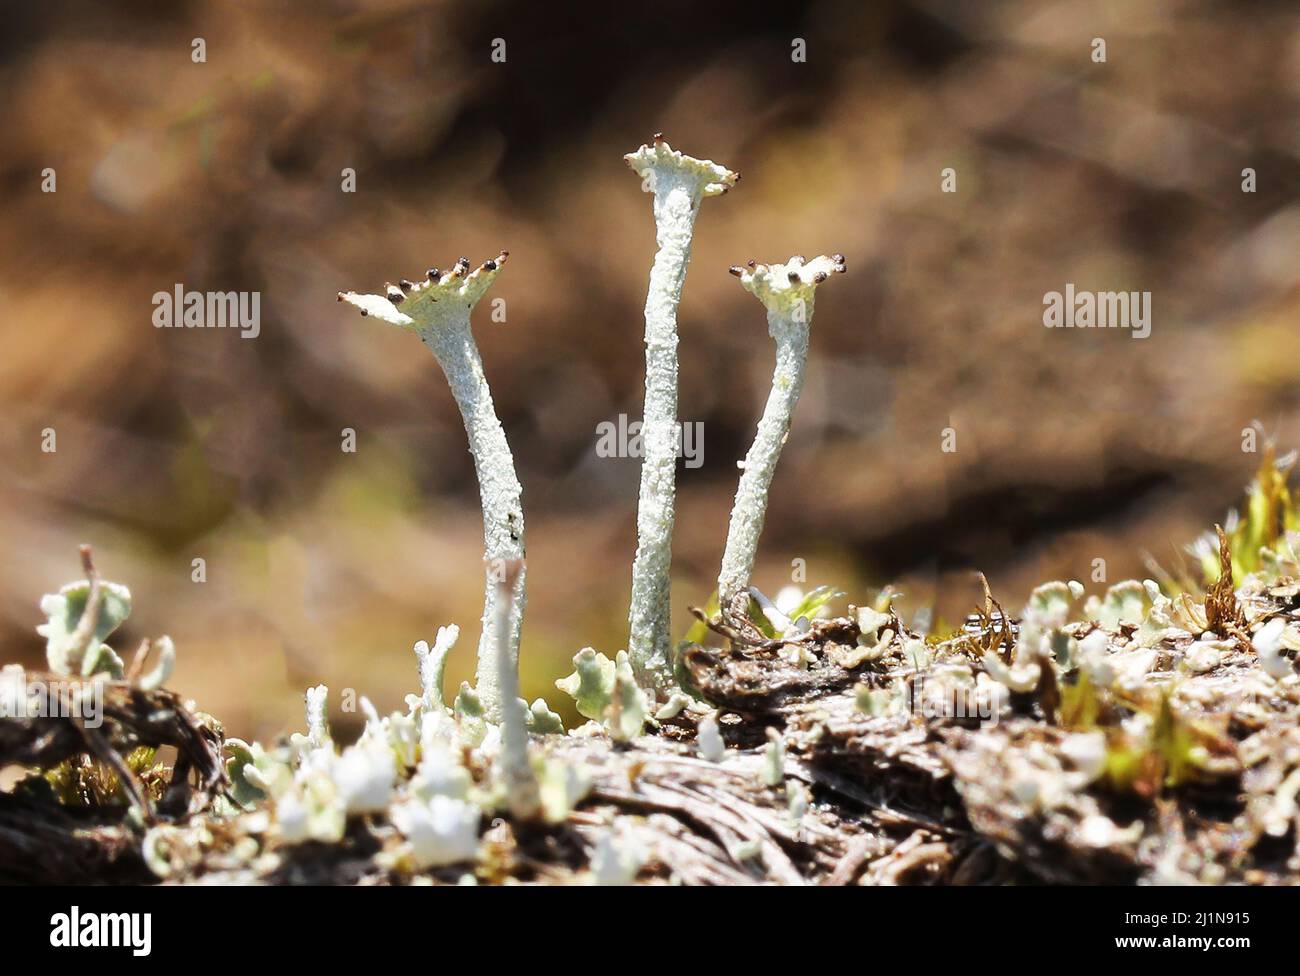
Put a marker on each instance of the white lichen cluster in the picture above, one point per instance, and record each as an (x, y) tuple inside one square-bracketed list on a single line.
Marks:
[(1116, 639), (433, 772), (1113, 643)]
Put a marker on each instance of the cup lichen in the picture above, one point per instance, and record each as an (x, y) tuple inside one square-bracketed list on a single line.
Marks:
[(787, 291), (679, 184), (438, 310)]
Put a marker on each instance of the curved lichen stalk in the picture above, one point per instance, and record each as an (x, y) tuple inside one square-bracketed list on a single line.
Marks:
[(679, 183), (787, 292), (438, 310)]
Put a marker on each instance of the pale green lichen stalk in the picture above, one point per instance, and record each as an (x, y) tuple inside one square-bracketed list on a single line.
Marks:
[(520, 782), (438, 310), (679, 183), (786, 290)]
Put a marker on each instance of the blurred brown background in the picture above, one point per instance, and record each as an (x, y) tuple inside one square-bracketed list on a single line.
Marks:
[(326, 566)]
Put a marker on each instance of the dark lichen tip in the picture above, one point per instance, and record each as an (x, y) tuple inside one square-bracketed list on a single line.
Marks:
[(340, 298), (837, 258), (781, 286), (416, 305), (736, 270), (657, 138), (364, 313), (749, 263)]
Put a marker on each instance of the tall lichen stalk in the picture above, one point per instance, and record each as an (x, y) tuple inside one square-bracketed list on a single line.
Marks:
[(499, 492), (679, 184), (438, 310), (787, 293)]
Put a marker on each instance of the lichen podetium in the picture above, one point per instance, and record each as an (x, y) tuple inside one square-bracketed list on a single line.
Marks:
[(786, 291), (438, 310), (679, 183)]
